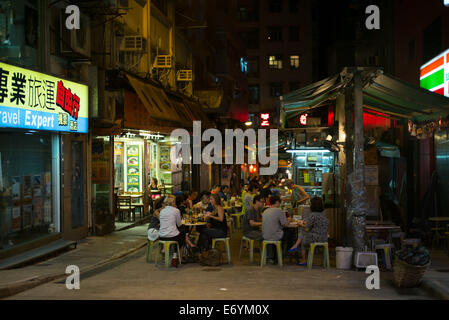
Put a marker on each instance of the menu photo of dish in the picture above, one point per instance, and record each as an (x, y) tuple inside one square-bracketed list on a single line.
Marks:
[(133, 161), (133, 180), (133, 171), (132, 151)]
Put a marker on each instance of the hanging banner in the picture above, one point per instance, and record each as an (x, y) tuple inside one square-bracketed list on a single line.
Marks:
[(34, 100)]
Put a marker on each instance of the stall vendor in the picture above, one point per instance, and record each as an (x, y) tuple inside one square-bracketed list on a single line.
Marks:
[(299, 196)]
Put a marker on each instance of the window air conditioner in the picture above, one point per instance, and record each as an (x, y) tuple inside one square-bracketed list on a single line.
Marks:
[(133, 43), (184, 75), (163, 62)]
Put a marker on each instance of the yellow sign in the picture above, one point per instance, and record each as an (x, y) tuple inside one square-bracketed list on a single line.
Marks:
[(34, 100)]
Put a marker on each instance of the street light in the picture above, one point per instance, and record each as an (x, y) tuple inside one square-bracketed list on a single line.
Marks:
[(248, 123)]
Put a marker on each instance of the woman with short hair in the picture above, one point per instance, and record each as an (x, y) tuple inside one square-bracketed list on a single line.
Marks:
[(170, 223), (315, 228)]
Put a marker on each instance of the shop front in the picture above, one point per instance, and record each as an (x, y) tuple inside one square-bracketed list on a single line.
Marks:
[(40, 151)]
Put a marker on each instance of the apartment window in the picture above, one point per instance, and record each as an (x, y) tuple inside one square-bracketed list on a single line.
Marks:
[(242, 14), (254, 94), (275, 6), (275, 62), (293, 6), (294, 85), (253, 66), (251, 39), (294, 62), (275, 33), (275, 89), (293, 33)]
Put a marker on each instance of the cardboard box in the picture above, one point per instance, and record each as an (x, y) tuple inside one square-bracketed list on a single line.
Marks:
[(372, 198), (371, 157), (371, 175)]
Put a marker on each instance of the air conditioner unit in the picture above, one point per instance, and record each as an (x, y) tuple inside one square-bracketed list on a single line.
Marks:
[(163, 62), (184, 75), (133, 43), (76, 40)]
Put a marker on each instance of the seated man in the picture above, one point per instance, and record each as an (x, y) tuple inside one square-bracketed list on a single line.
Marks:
[(204, 204), (252, 220), (273, 222)]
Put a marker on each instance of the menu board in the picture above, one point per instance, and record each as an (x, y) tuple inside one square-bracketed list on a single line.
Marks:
[(133, 172), (165, 164)]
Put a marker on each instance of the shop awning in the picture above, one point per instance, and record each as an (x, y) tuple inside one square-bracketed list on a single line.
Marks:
[(381, 92), (157, 103)]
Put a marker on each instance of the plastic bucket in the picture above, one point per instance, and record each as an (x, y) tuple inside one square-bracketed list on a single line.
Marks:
[(344, 257)]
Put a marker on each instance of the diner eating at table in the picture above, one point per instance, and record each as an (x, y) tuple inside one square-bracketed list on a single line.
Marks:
[(252, 220), (216, 227), (314, 229), (263, 218)]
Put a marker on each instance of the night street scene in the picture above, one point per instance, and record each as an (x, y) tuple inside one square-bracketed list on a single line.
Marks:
[(240, 153)]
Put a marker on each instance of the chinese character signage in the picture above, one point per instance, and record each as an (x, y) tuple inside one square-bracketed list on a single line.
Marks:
[(434, 75), (264, 119), (33, 100)]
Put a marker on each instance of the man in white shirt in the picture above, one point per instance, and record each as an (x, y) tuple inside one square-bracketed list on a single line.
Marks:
[(170, 221)]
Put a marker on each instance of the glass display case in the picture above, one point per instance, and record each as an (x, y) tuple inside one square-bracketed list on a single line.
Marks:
[(311, 167)]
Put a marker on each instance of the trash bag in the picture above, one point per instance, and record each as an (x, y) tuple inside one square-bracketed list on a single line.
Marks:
[(418, 256)]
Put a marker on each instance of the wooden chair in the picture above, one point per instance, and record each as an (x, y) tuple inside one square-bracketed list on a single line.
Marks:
[(124, 204)]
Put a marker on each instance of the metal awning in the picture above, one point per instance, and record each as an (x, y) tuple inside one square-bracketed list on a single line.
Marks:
[(381, 92)]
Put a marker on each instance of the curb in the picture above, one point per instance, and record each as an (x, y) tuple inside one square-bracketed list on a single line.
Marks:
[(27, 284), (135, 224), (435, 289)]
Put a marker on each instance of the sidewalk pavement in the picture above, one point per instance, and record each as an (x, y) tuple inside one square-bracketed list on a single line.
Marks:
[(95, 252), (91, 253), (436, 278)]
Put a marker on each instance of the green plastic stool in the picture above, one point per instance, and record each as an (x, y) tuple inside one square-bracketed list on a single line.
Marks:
[(311, 251), (167, 245), (263, 259), (150, 246), (251, 248), (226, 242)]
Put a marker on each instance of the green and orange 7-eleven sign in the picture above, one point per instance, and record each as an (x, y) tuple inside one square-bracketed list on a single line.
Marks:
[(434, 75)]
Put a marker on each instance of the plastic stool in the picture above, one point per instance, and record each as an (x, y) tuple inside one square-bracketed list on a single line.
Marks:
[(251, 248), (311, 252), (150, 249), (387, 248), (411, 242), (237, 217), (263, 259), (167, 245), (226, 242)]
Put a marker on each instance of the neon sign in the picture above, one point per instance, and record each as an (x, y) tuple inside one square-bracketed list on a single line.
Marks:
[(265, 117), (303, 119)]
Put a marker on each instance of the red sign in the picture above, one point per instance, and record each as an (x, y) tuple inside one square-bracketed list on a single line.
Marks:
[(68, 101), (303, 119), (265, 117)]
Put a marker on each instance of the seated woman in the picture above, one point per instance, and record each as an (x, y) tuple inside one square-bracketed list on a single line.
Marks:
[(153, 189), (170, 218), (183, 229), (315, 229), (153, 226), (204, 204), (191, 199), (216, 227)]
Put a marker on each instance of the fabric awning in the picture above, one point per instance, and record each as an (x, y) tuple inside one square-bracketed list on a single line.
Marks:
[(381, 92), (157, 103)]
